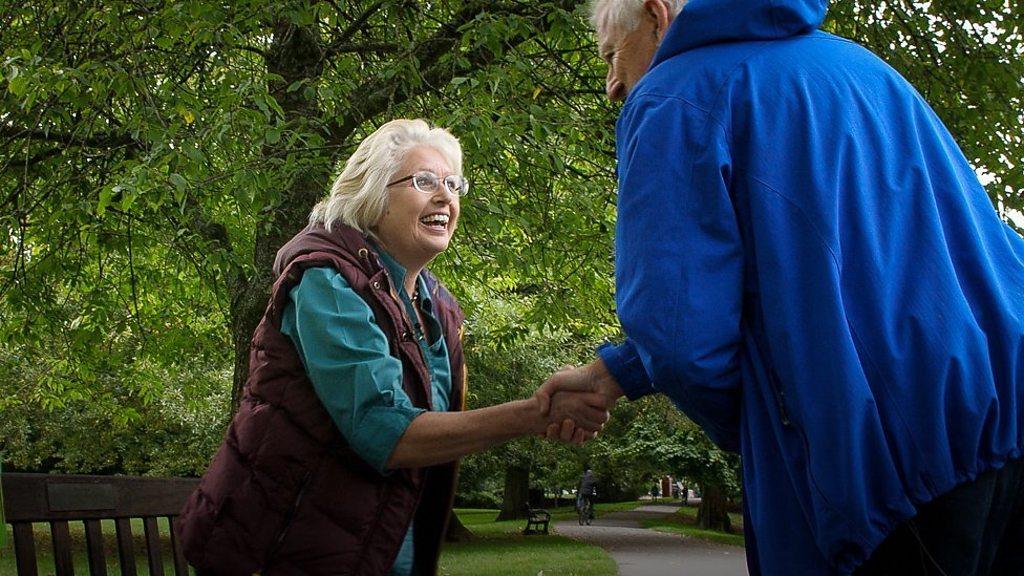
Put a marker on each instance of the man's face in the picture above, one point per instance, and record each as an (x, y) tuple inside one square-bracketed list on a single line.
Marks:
[(628, 55)]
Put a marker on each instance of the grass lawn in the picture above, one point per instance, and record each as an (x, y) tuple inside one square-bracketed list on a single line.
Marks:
[(684, 522), (500, 549)]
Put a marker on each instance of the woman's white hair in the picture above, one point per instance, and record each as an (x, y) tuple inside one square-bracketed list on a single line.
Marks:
[(359, 196), (624, 15)]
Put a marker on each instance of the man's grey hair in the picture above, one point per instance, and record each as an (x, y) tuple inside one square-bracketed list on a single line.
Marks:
[(359, 196), (624, 15)]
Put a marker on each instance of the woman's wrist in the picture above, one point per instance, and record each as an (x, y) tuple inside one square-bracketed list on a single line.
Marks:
[(529, 416)]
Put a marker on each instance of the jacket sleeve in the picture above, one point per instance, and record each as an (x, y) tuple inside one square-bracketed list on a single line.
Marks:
[(679, 259)]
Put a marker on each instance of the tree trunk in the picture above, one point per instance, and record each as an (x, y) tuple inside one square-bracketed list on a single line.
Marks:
[(295, 55), (712, 514), (457, 531), (517, 490)]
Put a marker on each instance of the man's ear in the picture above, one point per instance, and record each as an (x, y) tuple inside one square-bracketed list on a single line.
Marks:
[(657, 11)]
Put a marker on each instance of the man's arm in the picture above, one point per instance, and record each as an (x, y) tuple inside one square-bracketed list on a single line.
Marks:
[(679, 258), (679, 269)]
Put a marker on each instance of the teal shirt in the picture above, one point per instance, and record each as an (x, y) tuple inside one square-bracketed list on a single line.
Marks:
[(348, 361)]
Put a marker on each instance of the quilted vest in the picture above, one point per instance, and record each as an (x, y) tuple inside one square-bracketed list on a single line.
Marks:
[(285, 494)]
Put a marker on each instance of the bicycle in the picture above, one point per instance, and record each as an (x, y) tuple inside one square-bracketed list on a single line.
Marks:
[(586, 510)]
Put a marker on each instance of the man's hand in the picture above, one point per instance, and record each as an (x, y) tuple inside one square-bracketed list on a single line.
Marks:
[(579, 400), (592, 378)]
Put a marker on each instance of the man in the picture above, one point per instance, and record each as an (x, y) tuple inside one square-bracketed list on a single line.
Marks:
[(809, 268), (586, 490)]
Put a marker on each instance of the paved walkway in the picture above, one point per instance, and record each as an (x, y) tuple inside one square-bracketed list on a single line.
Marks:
[(641, 552)]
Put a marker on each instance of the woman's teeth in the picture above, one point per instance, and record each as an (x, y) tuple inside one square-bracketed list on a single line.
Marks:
[(440, 220)]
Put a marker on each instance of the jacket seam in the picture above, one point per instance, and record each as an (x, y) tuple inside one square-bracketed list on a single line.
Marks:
[(836, 261), (726, 80)]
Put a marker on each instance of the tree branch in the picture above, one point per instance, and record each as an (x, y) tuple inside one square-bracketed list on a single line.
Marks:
[(101, 141), (336, 47), (382, 93)]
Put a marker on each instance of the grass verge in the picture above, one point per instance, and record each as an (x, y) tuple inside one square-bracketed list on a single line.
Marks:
[(685, 522), (500, 549)]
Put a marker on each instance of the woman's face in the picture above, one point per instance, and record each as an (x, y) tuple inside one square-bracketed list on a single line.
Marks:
[(417, 226)]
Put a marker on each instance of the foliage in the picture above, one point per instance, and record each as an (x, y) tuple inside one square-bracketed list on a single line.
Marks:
[(154, 155), (649, 438), (503, 369), (120, 427)]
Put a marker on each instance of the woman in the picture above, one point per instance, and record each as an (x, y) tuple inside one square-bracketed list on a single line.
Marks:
[(341, 457)]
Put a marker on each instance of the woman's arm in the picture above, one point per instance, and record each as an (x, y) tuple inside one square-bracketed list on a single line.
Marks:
[(360, 384), (438, 437)]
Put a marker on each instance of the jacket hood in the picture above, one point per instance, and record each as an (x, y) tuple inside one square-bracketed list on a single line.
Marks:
[(704, 22)]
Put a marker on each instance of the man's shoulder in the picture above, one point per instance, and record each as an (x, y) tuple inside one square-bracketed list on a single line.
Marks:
[(719, 76)]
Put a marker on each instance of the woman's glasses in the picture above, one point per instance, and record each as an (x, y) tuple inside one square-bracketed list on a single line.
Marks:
[(428, 183)]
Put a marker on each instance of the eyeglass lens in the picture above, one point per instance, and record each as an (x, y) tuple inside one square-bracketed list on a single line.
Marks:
[(428, 182)]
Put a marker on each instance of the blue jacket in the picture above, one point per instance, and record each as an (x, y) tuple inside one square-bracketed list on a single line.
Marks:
[(808, 266)]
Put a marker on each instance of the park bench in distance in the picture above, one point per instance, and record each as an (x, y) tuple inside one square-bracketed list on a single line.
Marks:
[(536, 517), (60, 499)]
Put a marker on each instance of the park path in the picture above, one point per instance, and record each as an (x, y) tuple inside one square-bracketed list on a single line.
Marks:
[(642, 552)]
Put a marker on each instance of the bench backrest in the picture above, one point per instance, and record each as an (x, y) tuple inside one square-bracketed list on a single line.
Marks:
[(60, 499)]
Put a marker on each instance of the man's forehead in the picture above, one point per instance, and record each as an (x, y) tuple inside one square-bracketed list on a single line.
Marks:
[(607, 38)]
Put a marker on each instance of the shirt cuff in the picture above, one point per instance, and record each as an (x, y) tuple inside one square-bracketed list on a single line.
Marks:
[(625, 366), (379, 432)]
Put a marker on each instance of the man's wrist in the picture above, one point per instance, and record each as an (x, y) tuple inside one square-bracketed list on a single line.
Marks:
[(604, 381), (627, 370)]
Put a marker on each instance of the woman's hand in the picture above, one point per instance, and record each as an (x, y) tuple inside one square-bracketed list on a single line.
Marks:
[(572, 417)]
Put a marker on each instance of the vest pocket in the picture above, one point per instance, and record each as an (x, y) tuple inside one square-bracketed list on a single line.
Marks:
[(289, 517)]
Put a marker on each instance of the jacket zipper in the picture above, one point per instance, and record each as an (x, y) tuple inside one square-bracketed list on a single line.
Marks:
[(780, 398), (289, 519)]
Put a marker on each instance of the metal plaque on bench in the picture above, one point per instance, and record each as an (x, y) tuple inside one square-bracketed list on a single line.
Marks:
[(65, 497)]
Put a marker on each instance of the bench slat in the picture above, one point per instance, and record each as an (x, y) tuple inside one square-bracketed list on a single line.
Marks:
[(156, 563), (62, 548), (94, 545), (125, 546), (180, 565), (25, 549)]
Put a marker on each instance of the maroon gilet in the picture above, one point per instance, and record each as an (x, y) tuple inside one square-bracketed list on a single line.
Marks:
[(285, 494)]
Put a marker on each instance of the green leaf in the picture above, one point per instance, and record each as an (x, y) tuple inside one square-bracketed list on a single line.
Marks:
[(18, 85)]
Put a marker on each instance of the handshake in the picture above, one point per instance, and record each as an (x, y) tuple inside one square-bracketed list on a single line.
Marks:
[(574, 402)]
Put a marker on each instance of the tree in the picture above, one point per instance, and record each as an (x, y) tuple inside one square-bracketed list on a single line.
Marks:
[(154, 154), (648, 438), (503, 368)]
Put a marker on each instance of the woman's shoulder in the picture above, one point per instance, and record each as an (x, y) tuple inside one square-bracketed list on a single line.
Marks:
[(319, 282)]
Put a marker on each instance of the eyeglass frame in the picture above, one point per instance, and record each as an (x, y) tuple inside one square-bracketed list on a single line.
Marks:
[(441, 181)]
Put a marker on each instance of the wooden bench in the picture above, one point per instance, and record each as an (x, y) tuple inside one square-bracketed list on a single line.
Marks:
[(60, 499), (537, 520)]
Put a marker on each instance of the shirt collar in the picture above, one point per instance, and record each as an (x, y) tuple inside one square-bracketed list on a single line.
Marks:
[(397, 272)]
